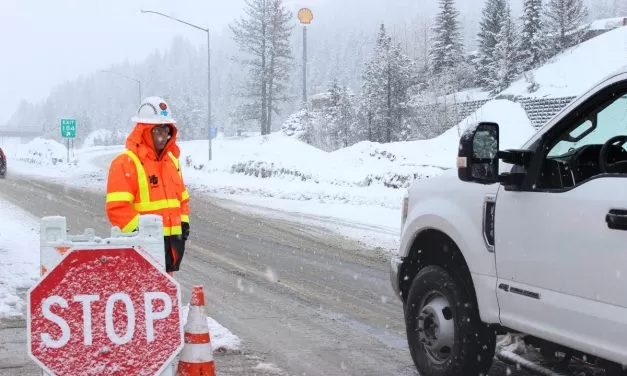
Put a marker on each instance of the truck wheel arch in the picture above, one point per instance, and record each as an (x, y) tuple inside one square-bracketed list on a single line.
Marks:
[(434, 247)]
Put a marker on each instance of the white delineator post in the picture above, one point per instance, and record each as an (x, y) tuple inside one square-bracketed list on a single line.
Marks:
[(55, 243)]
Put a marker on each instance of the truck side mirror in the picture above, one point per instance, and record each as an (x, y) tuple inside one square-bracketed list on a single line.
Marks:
[(478, 156)]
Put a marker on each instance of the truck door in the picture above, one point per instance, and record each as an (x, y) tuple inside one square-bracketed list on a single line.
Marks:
[(561, 240)]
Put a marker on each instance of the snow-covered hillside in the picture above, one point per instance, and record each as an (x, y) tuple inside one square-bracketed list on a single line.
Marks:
[(577, 69), (570, 73)]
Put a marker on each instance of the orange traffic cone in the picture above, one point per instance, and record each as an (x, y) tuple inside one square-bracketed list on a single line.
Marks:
[(197, 355)]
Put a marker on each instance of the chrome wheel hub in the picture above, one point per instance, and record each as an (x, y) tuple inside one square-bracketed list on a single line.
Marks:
[(436, 328)]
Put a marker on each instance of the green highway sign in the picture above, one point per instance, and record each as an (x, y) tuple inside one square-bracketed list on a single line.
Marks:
[(68, 128)]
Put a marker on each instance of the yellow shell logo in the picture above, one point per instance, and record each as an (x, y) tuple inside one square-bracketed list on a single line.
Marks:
[(305, 16)]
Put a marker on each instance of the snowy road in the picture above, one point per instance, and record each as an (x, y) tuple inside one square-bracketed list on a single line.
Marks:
[(299, 297)]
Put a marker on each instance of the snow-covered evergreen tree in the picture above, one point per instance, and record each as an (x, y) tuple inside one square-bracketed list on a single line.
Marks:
[(375, 88), (447, 48), (503, 72), (264, 35), (388, 77), (281, 57), (434, 109), (564, 21), (340, 116), (492, 19), (532, 42)]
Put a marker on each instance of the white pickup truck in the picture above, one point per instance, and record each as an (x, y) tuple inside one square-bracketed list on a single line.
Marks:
[(530, 241)]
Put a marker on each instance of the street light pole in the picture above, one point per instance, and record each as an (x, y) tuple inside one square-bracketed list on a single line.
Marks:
[(139, 83), (206, 30), (305, 16), (209, 88)]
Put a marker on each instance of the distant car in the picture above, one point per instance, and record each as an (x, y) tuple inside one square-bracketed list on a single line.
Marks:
[(3, 164)]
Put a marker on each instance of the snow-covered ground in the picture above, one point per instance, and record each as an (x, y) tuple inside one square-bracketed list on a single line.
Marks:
[(356, 191), (19, 257)]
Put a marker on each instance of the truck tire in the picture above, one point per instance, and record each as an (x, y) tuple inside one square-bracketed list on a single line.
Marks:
[(445, 334)]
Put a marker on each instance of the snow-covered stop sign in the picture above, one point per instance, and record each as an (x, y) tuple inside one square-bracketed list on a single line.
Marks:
[(105, 312)]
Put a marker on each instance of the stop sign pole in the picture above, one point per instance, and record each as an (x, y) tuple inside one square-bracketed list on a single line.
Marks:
[(107, 306)]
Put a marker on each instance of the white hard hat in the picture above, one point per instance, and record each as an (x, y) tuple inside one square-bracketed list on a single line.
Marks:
[(153, 110)]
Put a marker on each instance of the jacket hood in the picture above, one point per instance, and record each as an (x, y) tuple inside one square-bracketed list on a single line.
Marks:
[(140, 142)]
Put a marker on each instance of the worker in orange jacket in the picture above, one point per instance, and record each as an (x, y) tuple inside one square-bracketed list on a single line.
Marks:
[(147, 179)]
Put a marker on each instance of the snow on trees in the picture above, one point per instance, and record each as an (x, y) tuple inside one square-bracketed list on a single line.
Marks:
[(264, 35)]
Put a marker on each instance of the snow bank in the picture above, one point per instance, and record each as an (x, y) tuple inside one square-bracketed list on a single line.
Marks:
[(39, 151), (577, 69), (441, 152), (514, 125), (290, 163), (607, 23), (261, 156), (19, 257)]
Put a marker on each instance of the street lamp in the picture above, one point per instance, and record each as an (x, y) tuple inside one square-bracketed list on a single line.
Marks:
[(139, 83), (208, 65)]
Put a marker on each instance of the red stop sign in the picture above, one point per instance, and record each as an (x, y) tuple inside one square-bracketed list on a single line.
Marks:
[(105, 311)]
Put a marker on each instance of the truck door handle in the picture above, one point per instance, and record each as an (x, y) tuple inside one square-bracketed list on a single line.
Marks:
[(617, 219)]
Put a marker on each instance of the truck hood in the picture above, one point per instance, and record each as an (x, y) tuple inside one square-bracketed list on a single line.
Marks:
[(449, 186)]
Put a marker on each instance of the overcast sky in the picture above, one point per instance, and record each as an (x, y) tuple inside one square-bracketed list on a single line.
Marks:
[(47, 42)]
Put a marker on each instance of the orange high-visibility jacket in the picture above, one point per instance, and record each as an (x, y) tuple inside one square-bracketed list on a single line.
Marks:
[(140, 182)]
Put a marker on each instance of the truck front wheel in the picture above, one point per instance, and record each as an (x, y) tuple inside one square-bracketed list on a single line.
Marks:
[(445, 334)]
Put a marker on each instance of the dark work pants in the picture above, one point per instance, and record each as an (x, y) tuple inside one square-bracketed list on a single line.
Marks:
[(174, 251)]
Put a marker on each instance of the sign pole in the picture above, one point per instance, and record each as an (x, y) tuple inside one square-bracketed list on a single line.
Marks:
[(305, 65), (209, 117), (68, 131), (305, 16)]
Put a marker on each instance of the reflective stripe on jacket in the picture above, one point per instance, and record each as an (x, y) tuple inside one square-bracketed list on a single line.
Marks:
[(140, 183)]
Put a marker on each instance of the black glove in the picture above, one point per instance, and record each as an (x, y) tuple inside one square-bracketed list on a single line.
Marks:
[(185, 227)]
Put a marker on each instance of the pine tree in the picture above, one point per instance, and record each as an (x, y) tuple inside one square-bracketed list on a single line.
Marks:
[(447, 48), (280, 57), (564, 21), (264, 35), (388, 77), (340, 116), (531, 45), (374, 87), (503, 70), (490, 27)]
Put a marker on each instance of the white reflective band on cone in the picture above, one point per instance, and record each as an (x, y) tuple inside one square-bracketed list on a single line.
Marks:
[(200, 353)]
